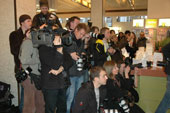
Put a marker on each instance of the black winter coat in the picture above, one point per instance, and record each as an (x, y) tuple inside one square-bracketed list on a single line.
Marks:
[(15, 40), (85, 101), (100, 56), (41, 19), (51, 59)]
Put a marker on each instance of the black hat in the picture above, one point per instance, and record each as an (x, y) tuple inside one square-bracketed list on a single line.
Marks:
[(23, 17), (43, 3)]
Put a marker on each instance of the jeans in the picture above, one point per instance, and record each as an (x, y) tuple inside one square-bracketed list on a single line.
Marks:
[(21, 98), (55, 98), (72, 90), (86, 75), (165, 103)]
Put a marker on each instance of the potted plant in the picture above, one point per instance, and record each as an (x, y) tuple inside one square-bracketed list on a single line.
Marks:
[(162, 43)]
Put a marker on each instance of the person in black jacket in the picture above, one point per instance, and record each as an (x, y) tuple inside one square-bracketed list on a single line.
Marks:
[(15, 40), (54, 61), (91, 94), (41, 20), (142, 40), (76, 71), (165, 103), (119, 87), (102, 50)]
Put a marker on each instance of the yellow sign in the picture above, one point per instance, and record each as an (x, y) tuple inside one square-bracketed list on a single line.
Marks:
[(151, 23)]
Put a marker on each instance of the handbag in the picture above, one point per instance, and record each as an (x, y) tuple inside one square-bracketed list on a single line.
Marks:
[(36, 79)]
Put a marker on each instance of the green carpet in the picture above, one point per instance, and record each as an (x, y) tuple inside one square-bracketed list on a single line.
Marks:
[(151, 91)]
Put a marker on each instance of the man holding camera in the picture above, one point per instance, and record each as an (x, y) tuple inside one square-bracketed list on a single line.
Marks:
[(29, 57), (165, 103), (76, 50), (41, 20)]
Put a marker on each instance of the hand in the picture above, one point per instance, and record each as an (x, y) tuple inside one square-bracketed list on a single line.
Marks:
[(74, 56), (42, 26), (28, 34), (54, 72), (57, 40)]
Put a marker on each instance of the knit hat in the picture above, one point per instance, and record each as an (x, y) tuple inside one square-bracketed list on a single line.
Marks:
[(43, 3), (23, 17)]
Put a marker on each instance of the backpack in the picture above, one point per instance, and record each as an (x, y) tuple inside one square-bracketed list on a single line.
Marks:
[(5, 95)]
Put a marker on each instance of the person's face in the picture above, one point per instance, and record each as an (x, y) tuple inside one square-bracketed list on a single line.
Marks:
[(27, 24), (79, 33), (96, 31), (107, 34), (112, 33), (44, 9), (128, 36), (102, 79), (142, 35), (121, 34), (115, 70), (114, 38), (74, 23)]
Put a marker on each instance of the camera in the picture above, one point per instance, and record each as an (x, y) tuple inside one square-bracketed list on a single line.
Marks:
[(97, 36), (164, 63), (124, 105), (22, 74), (84, 62), (80, 63), (128, 62), (46, 35)]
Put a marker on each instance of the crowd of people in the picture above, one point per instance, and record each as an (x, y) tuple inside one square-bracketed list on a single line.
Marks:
[(66, 87)]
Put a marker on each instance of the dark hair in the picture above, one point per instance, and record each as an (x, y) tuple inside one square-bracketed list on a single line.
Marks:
[(43, 3), (82, 26), (127, 32), (112, 31), (71, 20), (23, 17), (95, 72), (134, 40)]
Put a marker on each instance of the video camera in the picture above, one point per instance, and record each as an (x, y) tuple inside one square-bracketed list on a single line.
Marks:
[(46, 35)]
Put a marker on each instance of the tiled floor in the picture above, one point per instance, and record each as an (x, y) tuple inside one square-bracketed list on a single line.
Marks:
[(151, 90)]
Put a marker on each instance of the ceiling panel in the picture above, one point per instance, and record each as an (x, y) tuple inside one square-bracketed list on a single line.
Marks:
[(70, 6)]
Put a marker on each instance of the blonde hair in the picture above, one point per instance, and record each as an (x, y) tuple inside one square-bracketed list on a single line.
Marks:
[(109, 65)]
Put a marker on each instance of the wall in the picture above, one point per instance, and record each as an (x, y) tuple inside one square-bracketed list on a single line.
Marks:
[(7, 23), (6, 59), (26, 7), (124, 26), (158, 8)]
